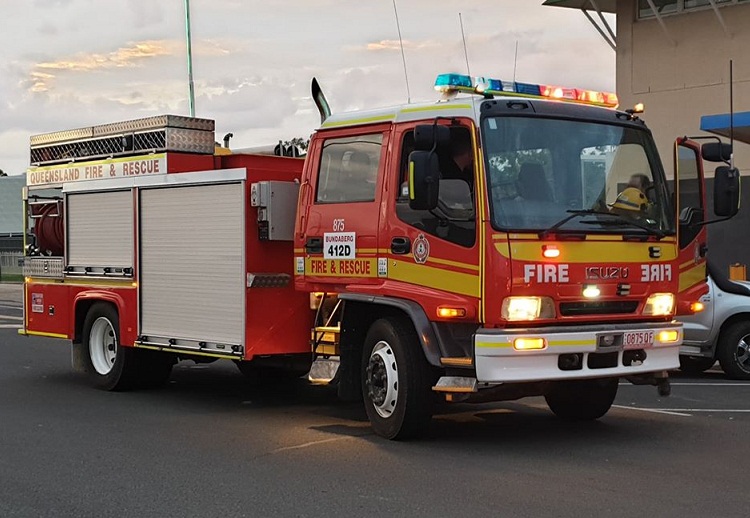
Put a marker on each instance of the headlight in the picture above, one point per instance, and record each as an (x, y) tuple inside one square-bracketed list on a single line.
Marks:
[(659, 304), (527, 308)]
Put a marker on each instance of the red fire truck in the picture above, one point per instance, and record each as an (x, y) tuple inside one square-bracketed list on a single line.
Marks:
[(509, 240)]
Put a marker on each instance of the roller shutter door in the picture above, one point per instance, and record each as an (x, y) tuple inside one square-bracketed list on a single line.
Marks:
[(100, 229), (192, 274)]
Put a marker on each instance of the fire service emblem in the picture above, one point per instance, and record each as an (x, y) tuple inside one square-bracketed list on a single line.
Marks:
[(421, 249)]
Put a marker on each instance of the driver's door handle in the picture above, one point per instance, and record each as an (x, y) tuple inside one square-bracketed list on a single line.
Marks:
[(400, 245), (314, 245)]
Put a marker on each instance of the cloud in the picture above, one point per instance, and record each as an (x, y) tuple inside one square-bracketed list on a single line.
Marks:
[(390, 45), (122, 57)]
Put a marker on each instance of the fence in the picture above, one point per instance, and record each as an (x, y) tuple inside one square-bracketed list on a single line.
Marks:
[(9, 264)]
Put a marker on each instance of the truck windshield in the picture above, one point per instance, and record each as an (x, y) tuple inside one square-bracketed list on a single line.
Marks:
[(541, 170)]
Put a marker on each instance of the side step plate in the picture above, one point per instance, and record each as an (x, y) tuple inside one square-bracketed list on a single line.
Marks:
[(455, 384), (323, 370)]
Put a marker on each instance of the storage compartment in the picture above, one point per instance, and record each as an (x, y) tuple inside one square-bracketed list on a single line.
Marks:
[(192, 271)]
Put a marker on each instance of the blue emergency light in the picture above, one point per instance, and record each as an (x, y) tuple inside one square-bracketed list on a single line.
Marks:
[(453, 83)]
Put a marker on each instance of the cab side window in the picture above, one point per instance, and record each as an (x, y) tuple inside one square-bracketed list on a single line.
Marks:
[(455, 218), (349, 169)]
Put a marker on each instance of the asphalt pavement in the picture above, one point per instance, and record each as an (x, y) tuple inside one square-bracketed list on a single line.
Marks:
[(210, 444)]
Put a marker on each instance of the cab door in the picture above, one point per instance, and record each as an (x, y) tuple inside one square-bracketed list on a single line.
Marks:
[(339, 233), (690, 199), (434, 257)]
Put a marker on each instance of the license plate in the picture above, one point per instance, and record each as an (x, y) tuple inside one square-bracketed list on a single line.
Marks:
[(637, 339)]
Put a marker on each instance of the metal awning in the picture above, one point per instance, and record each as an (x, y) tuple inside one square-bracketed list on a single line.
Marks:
[(607, 6), (600, 7), (719, 125)]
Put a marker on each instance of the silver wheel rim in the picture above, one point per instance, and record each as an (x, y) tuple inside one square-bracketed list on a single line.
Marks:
[(743, 353), (103, 345), (382, 379)]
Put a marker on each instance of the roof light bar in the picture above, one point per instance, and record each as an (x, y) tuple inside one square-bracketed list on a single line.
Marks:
[(453, 83)]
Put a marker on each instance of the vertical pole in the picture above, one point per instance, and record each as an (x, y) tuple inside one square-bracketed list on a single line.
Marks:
[(403, 56), (463, 37), (731, 114), (191, 100)]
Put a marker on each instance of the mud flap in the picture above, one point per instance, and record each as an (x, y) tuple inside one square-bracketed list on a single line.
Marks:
[(77, 358)]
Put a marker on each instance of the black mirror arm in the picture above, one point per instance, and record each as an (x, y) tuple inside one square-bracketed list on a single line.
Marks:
[(709, 222)]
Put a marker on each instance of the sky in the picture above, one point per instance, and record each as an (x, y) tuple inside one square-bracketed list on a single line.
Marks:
[(67, 64)]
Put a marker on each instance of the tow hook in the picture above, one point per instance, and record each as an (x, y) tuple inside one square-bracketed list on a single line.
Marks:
[(659, 379)]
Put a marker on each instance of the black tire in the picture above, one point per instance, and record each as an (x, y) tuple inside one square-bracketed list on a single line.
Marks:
[(582, 400), (408, 414), (733, 350), (696, 364), (115, 371)]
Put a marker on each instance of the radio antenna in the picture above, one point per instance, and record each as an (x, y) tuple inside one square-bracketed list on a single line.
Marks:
[(731, 115), (403, 56), (515, 62), (463, 36)]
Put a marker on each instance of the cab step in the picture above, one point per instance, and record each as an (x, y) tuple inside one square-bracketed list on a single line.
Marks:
[(456, 384), (323, 370)]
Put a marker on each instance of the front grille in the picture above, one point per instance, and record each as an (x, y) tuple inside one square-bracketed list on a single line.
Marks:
[(617, 307)]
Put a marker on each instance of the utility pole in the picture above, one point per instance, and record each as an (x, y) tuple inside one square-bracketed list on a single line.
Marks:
[(191, 100)]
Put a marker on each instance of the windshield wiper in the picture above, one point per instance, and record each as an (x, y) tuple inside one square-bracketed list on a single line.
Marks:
[(621, 220)]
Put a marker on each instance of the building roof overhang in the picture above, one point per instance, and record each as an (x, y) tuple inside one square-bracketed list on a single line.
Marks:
[(599, 7), (606, 6), (720, 124)]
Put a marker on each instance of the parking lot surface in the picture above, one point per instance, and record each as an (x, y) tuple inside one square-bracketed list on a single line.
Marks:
[(210, 444)]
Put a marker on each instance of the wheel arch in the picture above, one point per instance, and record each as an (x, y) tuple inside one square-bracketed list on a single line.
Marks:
[(729, 322), (82, 304), (359, 313)]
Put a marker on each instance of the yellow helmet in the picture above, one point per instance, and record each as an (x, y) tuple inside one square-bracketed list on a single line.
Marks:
[(632, 199)]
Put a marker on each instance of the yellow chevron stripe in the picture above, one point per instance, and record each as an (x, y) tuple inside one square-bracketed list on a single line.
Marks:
[(551, 343), (693, 276), (40, 333), (588, 251), (436, 278), (93, 283)]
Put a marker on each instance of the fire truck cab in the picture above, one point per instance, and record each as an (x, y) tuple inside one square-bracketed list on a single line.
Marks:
[(497, 245)]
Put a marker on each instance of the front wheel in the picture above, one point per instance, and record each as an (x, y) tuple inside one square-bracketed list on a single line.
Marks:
[(734, 350), (582, 400), (396, 380), (109, 365)]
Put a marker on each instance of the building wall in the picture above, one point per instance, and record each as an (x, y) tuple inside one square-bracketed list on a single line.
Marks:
[(680, 76), (11, 212)]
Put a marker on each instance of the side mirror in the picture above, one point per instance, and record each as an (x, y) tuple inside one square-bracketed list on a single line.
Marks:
[(716, 152), (428, 136), (726, 191), (424, 174)]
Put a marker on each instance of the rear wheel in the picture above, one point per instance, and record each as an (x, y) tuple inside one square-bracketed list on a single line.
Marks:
[(582, 400), (695, 364), (734, 350), (109, 365), (396, 380)]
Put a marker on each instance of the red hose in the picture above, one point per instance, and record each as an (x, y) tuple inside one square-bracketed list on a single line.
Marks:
[(49, 230)]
